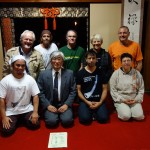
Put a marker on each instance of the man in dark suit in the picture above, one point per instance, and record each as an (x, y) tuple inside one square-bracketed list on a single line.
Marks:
[(56, 101)]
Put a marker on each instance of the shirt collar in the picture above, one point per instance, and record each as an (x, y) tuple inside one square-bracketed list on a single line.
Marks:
[(53, 72), (26, 55), (130, 72)]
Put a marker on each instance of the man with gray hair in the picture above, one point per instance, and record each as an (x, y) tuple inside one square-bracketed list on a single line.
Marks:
[(57, 92), (33, 58), (16, 90)]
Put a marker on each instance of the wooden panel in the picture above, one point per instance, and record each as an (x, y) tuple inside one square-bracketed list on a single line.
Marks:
[(146, 46), (101, 1)]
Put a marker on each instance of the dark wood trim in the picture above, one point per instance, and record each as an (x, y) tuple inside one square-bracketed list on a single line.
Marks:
[(49, 1)]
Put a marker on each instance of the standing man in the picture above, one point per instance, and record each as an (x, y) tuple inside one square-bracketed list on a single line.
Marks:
[(124, 45), (46, 47), (73, 53), (92, 92), (16, 90), (34, 60), (57, 92)]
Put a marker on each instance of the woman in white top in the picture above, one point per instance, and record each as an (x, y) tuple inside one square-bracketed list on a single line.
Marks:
[(127, 90)]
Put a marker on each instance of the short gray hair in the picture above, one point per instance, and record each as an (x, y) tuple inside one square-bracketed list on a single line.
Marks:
[(56, 54), (96, 36), (25, 32)]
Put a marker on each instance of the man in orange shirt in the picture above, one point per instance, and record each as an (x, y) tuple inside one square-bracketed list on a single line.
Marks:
[(124, 45)]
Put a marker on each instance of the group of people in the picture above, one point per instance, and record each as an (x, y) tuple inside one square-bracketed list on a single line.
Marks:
[(50, 79)]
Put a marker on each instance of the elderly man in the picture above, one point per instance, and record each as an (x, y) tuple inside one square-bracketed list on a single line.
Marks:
[(46, 47), (16, 90), (57, 92), (124, 45), (74, 54), (33, 58)]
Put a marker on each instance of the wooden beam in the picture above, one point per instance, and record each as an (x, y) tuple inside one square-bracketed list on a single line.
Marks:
[(41, 1)]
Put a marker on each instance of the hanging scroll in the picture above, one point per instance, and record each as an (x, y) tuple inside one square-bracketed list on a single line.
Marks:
[(133, 18)]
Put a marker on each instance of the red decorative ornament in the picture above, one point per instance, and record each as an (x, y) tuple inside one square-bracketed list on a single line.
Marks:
[(50, 13)]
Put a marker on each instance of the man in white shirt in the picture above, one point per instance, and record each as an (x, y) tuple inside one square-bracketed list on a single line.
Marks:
[(16, 90), (46, 47)]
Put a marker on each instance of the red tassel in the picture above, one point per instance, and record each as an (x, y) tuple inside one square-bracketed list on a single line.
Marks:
[(54, 24), (45, 24)]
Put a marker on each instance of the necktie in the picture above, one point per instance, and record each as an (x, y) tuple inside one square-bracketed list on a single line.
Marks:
[(55, 91)]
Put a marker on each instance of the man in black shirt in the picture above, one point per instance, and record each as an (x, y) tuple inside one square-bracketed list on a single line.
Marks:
[(92, 92)]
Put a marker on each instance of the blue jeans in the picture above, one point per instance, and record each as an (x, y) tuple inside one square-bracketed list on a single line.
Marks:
[(86, 114)]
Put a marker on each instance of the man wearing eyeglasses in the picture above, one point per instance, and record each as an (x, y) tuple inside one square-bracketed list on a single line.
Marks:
[(57, 92)]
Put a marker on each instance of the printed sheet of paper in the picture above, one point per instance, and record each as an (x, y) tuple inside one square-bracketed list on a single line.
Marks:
[(57, 140)]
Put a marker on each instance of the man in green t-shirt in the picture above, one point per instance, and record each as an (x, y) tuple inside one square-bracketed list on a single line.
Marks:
[(74, 54)]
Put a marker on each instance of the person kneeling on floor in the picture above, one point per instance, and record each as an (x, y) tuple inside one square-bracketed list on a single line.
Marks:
[(92, 91), (127, 90), (18, 98)]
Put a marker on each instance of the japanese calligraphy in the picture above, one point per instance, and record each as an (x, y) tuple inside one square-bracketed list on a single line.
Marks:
[(132, 19)]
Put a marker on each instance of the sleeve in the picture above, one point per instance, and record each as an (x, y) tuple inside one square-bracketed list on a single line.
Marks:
[(139, 53), (43, 100), (82, 56), (2, 89), (113, 88), (72, 91), (109, 69), (35, 89), (140, 90), (41, 65), (56, 48)]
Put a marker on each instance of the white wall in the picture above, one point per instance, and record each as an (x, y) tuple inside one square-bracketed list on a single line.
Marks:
[(105, 19)]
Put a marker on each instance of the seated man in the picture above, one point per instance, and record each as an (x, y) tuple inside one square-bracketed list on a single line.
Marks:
[(127, 90), (92, 92), (58, 90), (16, 90)]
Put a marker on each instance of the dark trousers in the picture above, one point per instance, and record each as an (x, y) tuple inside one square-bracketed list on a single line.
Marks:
[(23, 118), (86, 114)]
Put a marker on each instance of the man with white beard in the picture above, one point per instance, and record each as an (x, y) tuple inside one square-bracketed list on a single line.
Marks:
[(33, 58)]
